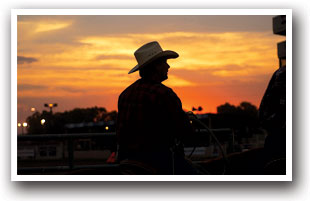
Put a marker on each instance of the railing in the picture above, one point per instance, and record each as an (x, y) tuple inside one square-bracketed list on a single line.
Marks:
[(108, 139)]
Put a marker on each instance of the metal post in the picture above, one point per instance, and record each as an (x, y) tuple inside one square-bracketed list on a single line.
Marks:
[(71, 153), (233, 141)]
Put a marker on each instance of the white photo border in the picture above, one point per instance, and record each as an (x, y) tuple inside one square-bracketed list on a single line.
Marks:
[(289, 165)]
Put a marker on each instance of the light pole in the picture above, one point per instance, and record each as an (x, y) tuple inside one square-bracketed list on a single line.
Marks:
[(24, 125), (19, 125), (50, 105)]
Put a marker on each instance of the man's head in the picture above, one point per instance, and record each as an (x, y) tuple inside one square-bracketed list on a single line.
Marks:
[(152, 61), (156, 70)]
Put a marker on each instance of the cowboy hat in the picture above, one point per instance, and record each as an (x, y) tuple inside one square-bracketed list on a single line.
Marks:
[(150, 52)]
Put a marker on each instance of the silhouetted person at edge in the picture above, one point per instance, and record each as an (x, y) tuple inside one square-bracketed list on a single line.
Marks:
[(151, 123), (272, 115)]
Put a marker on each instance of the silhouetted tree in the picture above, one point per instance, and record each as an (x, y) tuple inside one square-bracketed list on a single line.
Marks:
[(34, 123), (197, 109), (244, 108), (55, 122), (226, 109), (242, 118), (248, 109)]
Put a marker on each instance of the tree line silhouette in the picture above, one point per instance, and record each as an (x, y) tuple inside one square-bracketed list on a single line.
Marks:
[(242, 118), (55, 123)]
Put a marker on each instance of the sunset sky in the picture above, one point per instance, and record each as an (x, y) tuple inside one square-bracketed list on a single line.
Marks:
[(83, 61)]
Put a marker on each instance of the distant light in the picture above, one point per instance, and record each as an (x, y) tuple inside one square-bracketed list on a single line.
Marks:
[(107, 128), (19, 124), (191, 122), (25, 124), (33, 109), (51, 106), (42, 121)]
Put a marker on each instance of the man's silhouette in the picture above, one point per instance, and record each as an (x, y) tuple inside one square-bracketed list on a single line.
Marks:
[(151, 123), (272, 115)]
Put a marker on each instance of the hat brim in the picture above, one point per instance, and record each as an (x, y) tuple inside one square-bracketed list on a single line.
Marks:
[(167, 54)]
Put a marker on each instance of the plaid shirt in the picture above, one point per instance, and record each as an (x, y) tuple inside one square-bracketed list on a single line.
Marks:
[(150, 118)]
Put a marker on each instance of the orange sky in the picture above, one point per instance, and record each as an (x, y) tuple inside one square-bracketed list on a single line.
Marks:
[(83, 61)]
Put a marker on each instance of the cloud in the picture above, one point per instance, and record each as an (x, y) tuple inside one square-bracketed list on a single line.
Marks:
[(22, 60), (120, 24), (175, 81), (51, 26), (70, 89), (113, 57), (230, 74), (38, 25), (24, 87), (206, 59)]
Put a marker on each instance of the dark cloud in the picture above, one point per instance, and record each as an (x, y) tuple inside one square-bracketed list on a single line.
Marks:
[(101, 25), (70, 89), (31, 87), (66, 69), (24, 87), (22, 60), (118, 24)]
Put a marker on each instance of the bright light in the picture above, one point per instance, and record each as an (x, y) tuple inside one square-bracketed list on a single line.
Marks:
[(25, 124), (51, 105), (33, 109), (107, 128), (42, 121), (19, 124)]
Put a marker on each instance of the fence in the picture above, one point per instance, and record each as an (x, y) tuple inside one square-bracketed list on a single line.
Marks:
[(107, 139)]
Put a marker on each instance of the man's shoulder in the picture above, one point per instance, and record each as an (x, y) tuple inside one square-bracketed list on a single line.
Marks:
[(130, 88), (166, 89), (149, 88), (160, 89), (166, 93)]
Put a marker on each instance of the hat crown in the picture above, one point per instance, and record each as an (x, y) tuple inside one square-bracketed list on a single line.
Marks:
[(147, 51)]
